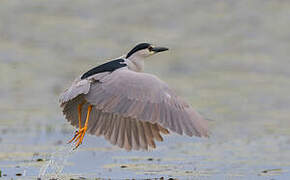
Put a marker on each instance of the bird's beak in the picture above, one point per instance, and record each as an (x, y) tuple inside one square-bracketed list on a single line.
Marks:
[(159, 49)]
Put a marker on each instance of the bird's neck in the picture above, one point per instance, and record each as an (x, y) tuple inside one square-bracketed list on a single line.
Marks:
[(135, 64)]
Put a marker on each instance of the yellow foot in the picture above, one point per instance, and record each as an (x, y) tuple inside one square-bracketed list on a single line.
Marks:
[(79, 136)]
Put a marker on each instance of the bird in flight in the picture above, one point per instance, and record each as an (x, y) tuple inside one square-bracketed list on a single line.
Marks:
[(128, 107)]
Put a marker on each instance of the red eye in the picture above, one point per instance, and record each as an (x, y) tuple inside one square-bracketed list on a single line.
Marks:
[(150, 48)]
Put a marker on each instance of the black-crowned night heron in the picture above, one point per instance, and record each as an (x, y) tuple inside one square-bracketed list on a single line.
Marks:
[(128, 107)]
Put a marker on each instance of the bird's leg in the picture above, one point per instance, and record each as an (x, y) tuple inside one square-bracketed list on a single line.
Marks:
[(81, 133), (80, 120), (80, 114)]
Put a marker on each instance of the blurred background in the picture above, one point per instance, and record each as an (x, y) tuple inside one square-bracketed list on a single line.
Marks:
[(229, 59)]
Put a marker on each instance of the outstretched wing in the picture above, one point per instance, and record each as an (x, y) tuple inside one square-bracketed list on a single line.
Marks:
[(128, 133), (146, 98), (77, 88)]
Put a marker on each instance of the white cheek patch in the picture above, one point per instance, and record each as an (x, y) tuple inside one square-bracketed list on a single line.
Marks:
[(144, 52)]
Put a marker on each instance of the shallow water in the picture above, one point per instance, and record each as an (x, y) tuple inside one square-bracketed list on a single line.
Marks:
[(229, 59)]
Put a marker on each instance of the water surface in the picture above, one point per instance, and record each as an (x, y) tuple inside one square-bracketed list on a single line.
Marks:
[(229, 59)]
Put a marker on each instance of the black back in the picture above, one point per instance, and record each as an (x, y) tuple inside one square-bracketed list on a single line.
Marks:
[(106, 67)]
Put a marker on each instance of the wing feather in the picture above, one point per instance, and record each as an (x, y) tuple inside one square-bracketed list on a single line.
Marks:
[(109, 131), (127, 136), (120, 141), (149, 134), (146, 98), (155, 132), (115, 132), (79, 87), (128, 133), (100, 125), (131, 109), (142, 136), (135, 135)]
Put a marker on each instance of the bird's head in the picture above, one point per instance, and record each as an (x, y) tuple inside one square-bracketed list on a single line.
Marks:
[(144, 50)]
